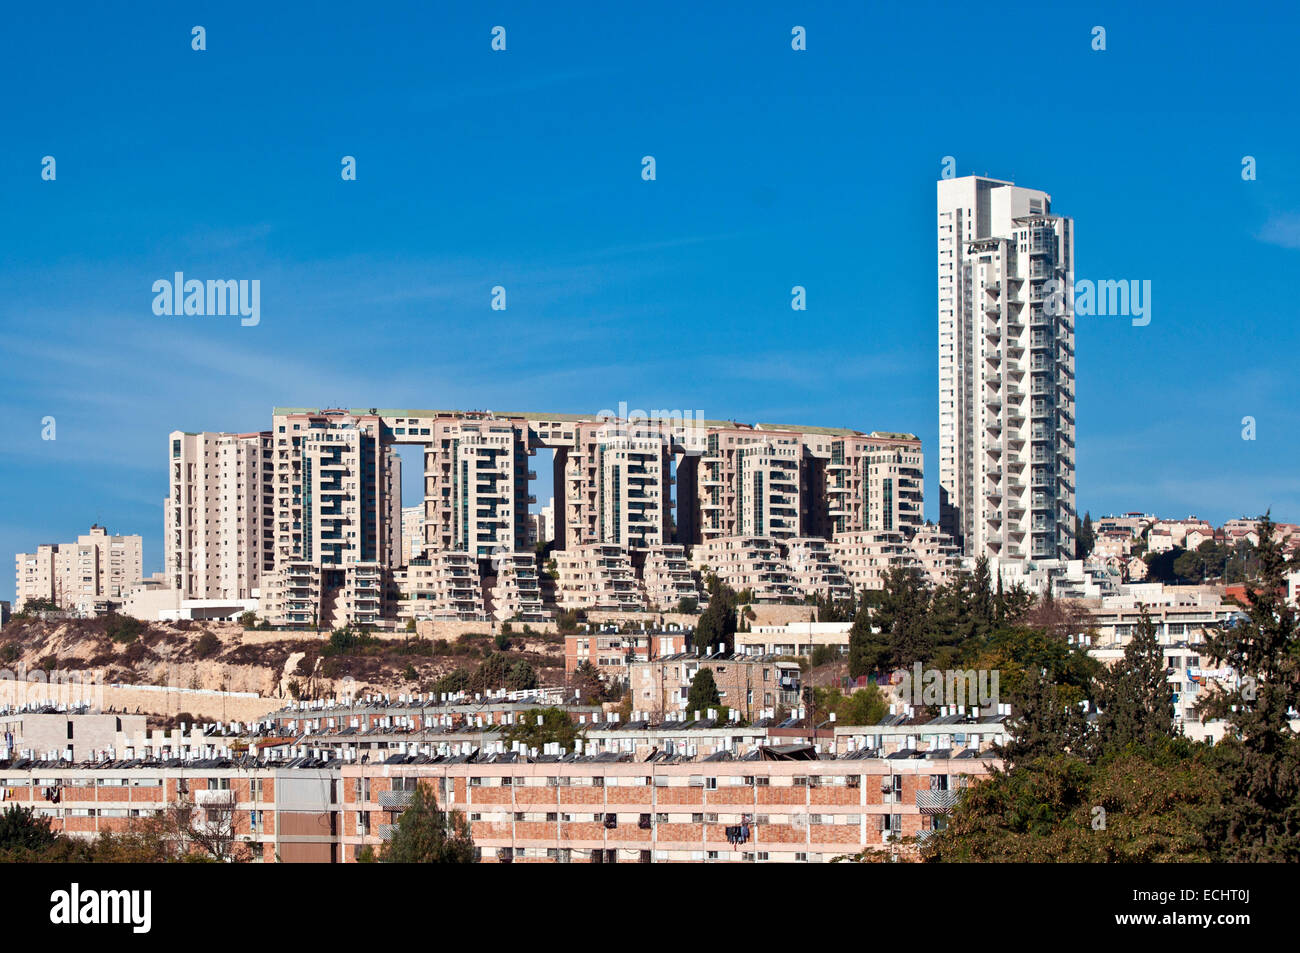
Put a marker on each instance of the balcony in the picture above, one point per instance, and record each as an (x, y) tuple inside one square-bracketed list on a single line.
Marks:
[(395, 799), (936, 801)]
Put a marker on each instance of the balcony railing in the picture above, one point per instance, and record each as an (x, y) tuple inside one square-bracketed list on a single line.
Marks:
[(395, 798), (935, 802)]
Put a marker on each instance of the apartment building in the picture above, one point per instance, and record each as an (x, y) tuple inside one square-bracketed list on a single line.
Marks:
[(597, 576), (86, 576), (618, 480), (794, 638), (1180, 615), (773, 806), (668, 580), (476, 474), (813, 568), (746, 683), (546, 524), (412, 533), (752, 563), (514, 590), (613, 652), (936, 554), (272, 811), (219, 538), (281, 514), (441, 586), (337, 520), (73, 734), (867, 558), (875, 482), (1135, 524), (750, 483), (1006, 370)]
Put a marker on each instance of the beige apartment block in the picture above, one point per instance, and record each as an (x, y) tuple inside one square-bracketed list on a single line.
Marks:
[(476, 474), (292, 594), (546, 527), (514, 589), (794, 638), (750, 483), (412, 533), (867, 557), (751, 563), (667, 577), (937, 554), (219, 537), (597, 576), (814, 570), (337, 518), (84, 576), (442, 587), (308, 595), (875, 482), (617, 483), (1006, 370)]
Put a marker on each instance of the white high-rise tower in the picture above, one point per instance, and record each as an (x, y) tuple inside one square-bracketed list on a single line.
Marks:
[(1006, 371)]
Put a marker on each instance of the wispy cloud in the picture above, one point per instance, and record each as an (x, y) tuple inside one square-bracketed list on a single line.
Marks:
[(1282, 229)]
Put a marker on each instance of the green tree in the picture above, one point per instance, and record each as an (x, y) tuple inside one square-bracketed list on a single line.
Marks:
[(425, 834), (1140, 806), (1261, 755), (521, 676), (22, 830), (1134, 697), (717, 623), (902, 615), (868, 649), (866, 706), (1084, 537), (491, 674), (541, 726), (703, 693), (457, 680), (1045, 722), (586, 681)]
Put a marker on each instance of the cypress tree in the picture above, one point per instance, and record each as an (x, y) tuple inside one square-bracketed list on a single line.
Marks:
[(1135, 698)]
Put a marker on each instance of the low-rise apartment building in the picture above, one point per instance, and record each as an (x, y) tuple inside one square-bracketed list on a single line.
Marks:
[(597, 576), (867, 557), (746, 683), (752, 563), (667, 578), (271, 811), (86, 576), (613, 652), (514, 589), (813, 569), (441, 586), (794, 638), (782, 804)]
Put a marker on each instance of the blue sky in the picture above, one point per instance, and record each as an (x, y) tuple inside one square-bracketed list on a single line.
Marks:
[(522, 169)]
